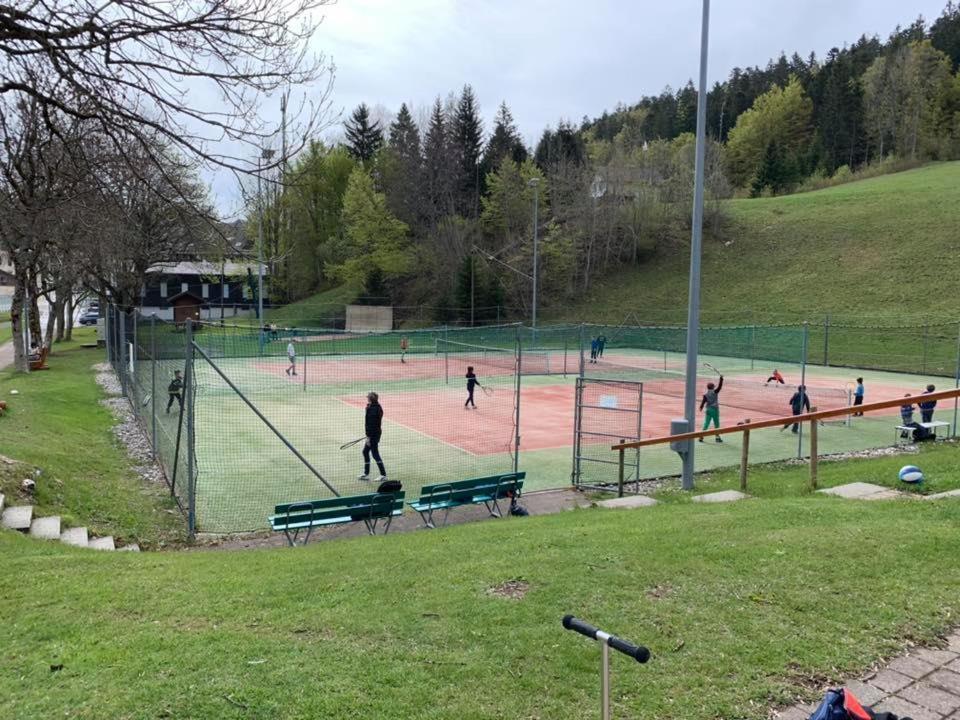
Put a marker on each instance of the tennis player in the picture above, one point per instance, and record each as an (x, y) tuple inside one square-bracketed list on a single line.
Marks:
[(472, 383), (711, 401), (404, 346), (373, 427), (292, 356), (776, 377)]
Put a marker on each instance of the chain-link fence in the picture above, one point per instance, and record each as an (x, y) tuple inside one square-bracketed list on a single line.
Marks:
[(244, 418)]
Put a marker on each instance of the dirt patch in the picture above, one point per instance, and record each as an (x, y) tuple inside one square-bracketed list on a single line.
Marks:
[(512, 589), (659, 592)]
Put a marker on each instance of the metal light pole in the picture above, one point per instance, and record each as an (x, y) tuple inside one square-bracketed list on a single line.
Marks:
[(693, 301), (535, 184), (265, 154)]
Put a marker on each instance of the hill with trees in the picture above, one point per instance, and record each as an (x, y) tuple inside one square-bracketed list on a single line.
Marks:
[(445, 218)]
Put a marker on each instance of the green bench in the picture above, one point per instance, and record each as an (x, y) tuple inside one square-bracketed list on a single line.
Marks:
[(293, 518), (484, 490)]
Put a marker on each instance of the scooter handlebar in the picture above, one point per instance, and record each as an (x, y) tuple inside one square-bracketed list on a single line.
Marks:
[(637, 652)]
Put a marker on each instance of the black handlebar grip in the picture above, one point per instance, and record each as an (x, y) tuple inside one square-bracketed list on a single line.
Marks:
[(637, 652), (571, 623)]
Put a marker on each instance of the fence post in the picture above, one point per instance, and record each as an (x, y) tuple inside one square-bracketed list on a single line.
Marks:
[(620, 471), (813, 451), (803, 383), (123, 352), (153, 384), (744, 459), (826, 340), (516, 400), (577, 412), (304, 365), (956, 401), (188, 401), (753, 344)]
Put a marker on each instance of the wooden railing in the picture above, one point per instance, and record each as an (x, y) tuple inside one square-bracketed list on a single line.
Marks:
[(814, 417)]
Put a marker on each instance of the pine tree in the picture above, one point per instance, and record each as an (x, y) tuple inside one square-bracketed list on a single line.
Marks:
[(467, 140), (402, 171), (364, 138), (504, 142), (437, 165)]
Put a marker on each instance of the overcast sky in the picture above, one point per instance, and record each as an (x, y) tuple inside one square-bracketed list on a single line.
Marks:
[(561, 59)]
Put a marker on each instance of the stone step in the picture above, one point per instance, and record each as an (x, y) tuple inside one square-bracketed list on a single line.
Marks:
[(132, 547), (721, 497), (46, 528), (628, 501), (17, 517), (103, 543), (75, 536)]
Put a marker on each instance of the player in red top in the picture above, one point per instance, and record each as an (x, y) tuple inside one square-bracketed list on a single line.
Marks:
[(776, 377)]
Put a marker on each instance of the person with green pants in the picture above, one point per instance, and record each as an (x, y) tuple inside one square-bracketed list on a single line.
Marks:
[(711, 401)]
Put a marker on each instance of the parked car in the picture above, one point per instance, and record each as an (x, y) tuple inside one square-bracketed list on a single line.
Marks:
[(90, 317)]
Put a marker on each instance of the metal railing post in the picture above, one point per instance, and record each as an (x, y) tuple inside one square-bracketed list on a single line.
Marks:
[(620, 470), (153, 384), (813, 451), (744, 459), (191, 438)]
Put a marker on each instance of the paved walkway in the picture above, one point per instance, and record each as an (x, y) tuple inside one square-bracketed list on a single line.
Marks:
[(923, 684), (6, 354)]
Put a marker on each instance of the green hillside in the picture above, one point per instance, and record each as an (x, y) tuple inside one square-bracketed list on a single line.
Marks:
[(883, 249)]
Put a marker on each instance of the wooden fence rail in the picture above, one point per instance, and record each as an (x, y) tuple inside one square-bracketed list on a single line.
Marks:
[(813, 417)]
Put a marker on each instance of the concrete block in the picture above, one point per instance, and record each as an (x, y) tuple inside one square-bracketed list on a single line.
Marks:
[(721, 497), (104, 543), (75, 536), (890, 681), (944, 495), (946, 680), (17, 517), (867, 694), (925, 695), (953, 643), (46, 528), (912, 666), (855, 491), (1, 498), (628, 501), (904, 708), (132, 547), (935, 657)]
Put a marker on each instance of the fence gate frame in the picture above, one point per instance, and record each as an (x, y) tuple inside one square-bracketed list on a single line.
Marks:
[(631, 465)]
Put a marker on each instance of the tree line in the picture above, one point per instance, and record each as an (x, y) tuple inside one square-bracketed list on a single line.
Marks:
[(440, 211)]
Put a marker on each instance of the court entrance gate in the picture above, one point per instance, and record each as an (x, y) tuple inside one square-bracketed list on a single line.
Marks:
[(606, 412)]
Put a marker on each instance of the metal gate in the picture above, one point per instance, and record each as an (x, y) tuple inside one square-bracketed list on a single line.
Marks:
[(606, 412)]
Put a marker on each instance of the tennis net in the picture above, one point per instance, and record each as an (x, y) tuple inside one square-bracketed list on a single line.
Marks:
[(769, 398), (492, 360)]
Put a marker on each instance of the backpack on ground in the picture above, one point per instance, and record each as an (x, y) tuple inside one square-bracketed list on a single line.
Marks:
[(841, 704)]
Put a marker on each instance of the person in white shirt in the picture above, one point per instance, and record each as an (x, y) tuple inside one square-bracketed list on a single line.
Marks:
[(292, 355)]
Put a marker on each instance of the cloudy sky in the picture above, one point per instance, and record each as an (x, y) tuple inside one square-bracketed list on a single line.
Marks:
[(561, 59)]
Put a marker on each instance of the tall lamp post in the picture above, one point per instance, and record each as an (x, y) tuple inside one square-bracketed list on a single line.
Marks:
[(535, 184), (693, 300), (265, 154)]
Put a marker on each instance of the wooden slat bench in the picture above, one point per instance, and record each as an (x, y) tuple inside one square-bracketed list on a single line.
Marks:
[(476, 491), (40, 362), (293, 518)]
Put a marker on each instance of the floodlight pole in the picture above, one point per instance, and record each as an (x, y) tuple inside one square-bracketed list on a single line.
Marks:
[(535, 184), (265, 154), (693, 301)]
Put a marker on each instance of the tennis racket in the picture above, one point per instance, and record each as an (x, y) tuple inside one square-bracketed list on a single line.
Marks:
[(711, 367), (487, 391), (146, 399), (352, 443)]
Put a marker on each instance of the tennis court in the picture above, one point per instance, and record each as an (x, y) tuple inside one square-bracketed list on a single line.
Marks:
[(261, 436)]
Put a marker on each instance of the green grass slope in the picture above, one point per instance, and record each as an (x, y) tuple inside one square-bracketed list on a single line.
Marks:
[(886, 248)]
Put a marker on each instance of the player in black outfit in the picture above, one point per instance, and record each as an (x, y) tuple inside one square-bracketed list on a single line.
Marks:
[(174, 389), (373, 428), (472, 383)]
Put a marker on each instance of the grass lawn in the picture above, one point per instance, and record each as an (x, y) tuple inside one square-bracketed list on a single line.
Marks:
[(744, 606), (57, 424), (5, 332), (843, 250)]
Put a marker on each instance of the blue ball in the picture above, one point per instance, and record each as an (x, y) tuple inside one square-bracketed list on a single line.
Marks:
[(910, 474)]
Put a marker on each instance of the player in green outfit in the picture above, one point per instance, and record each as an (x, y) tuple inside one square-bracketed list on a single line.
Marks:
[(711, 401)]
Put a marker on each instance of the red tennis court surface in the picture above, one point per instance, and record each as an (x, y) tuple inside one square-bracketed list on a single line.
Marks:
[(331, 371), (546, 417)]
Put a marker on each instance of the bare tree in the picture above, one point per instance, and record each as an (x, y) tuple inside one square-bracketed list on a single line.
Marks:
[(140, 68)]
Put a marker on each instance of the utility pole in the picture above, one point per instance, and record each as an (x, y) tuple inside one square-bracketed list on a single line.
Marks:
[(693, 301), (265, 154)]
